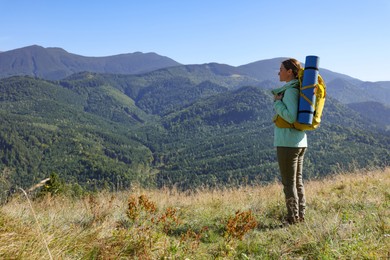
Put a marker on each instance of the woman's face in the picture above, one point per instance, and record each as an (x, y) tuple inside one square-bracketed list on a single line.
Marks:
[(284, 75)]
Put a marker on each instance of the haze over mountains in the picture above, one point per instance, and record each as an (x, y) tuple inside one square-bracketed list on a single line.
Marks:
[(114, 120)]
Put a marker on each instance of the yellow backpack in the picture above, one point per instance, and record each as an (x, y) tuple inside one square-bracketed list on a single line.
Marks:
[(320, 92)]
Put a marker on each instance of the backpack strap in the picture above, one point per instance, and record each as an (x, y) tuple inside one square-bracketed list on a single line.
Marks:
[(304, 96)]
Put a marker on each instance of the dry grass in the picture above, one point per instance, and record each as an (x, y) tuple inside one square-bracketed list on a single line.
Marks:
[(348, 216)]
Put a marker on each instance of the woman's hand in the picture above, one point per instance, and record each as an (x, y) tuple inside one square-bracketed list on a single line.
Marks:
[(278, 96)]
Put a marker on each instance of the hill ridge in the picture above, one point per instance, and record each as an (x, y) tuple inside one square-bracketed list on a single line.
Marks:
[(55, 63)]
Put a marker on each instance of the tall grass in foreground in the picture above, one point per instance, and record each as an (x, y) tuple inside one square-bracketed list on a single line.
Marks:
[(348, 217)]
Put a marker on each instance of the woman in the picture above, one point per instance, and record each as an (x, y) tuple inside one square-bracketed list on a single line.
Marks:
[(290, 143)]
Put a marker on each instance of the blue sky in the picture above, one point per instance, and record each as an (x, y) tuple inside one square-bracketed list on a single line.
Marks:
[(350, 36)]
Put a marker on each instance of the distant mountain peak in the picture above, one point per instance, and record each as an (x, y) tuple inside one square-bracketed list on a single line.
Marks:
[(55, 63)]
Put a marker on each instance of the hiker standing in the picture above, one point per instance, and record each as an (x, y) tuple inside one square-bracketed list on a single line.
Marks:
[(290, 143)]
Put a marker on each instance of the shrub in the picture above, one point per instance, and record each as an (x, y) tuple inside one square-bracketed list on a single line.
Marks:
[(240, 224)]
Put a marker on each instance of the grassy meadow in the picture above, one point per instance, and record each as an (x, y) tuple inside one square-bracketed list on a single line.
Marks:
[(348, 217)]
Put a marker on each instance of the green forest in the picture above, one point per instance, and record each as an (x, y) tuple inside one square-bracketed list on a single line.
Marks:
[(165, 128)]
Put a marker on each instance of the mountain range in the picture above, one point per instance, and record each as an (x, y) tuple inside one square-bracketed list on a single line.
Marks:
[(113, 121), (56, 63)]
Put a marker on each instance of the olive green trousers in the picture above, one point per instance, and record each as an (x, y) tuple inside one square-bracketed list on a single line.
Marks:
[(290, 164)]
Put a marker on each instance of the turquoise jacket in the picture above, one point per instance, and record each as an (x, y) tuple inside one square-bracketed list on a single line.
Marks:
[(287, 108)]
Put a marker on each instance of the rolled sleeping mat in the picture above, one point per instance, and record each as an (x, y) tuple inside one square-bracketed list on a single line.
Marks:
[(307, 98)]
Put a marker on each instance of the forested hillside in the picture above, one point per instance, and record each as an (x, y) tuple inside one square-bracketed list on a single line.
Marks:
[(374, 112), (46, 128), (186, 126)]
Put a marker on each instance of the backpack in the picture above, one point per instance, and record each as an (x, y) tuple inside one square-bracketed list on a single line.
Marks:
[(320, 93)]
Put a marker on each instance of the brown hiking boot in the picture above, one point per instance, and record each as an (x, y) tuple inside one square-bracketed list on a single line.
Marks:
[(290, 221)]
